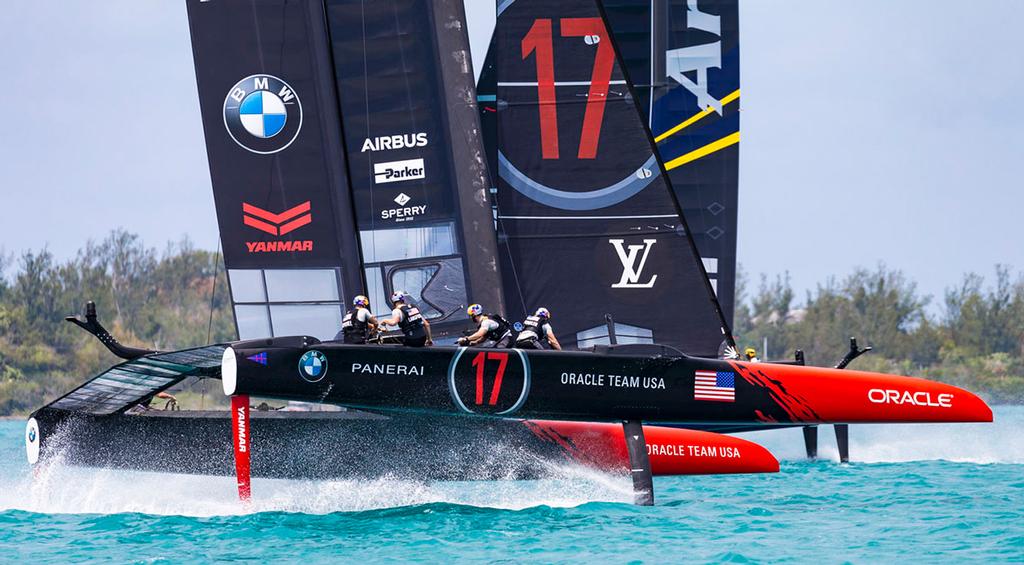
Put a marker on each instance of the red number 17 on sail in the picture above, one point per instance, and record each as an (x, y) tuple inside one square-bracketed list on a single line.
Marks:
[(538, 41), (478, 362)]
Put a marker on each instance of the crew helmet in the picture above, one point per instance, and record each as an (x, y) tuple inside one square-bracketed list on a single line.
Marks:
[(361, 301), (543, 313), (399, 296), (750, 352), (474, 310)]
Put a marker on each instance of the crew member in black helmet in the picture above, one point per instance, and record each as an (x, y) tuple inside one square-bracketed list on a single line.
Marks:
[(537, 332), (492, 330), (358, 323), (408, 318)]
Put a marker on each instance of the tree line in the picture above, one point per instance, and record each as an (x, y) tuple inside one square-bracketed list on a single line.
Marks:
[(178, 297), (973, 338), (146, 298)]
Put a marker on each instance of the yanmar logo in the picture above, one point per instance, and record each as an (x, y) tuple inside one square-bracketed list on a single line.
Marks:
[(243, 438), (277, 224), (398, 171)]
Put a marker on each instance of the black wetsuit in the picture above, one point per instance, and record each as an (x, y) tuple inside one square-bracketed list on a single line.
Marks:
[(354, 330), (498, 337), (412, 326), (534, 334)]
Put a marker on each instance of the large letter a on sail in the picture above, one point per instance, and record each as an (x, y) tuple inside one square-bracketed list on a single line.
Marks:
[(631, 271)]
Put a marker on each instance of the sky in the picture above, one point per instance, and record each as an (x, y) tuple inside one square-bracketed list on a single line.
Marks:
[(872, 132)]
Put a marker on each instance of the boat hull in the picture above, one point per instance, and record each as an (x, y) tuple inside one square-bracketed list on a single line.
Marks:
[(337, 445), (588, 386)]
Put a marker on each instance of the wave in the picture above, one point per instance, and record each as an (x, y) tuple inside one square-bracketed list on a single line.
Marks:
[(59, 489), (998, 442)]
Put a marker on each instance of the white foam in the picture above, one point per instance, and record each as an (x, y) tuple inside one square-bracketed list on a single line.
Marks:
[(58, 489), (998, 442)]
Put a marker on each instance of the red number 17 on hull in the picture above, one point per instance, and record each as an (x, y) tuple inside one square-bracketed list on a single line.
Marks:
[(478, 363), (539, 42)]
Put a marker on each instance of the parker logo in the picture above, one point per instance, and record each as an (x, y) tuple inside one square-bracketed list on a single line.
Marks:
[(277, 224), (392, 142), (398, 171), (633, 263)]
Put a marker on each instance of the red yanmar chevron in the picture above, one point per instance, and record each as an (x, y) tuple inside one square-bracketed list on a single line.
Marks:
[(276, 224)]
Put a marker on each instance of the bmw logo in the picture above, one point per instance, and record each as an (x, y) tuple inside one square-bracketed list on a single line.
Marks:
[(262, 113), (31, 434), (313, 366)]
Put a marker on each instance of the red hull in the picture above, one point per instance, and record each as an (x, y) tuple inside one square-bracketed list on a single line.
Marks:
[(672, 451), (825, 395)]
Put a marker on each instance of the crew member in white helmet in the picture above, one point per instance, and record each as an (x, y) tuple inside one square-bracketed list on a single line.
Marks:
[(537, 332), (407, 317)]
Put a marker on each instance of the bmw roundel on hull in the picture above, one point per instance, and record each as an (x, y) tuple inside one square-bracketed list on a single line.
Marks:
[(262, 114)]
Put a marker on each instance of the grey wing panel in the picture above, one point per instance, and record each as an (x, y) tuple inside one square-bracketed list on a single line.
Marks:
[(125, 385)]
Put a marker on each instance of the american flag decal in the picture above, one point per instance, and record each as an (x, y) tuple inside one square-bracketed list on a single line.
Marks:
[(719, 386)]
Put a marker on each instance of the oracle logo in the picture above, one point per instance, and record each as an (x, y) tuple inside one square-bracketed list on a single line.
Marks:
[(919, 398)]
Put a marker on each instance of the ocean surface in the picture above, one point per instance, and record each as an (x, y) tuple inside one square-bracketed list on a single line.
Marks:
[(914, 494)]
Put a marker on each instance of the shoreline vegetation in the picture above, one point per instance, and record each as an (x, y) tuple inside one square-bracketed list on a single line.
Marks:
[(178, 298)]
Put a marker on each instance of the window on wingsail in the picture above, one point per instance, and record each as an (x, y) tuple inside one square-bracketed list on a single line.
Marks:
[(413, 280), (624, 333), (279, 302)]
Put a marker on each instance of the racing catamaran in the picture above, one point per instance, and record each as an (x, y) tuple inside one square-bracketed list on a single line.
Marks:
[(347, 157)]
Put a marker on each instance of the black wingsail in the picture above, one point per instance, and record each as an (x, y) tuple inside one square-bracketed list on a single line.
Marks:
[(346, 157), (415, 153), (587, 220), (279, 173), (684, 59)]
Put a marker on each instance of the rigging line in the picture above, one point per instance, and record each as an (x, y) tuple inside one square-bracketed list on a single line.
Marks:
[(731, 97), (649, 216), (209, 323), (500, 228), (717, 145), (557, 83)]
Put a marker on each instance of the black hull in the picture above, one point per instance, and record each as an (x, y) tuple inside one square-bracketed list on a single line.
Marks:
[(303, 445)]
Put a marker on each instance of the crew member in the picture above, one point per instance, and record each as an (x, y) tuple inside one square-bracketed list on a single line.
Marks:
[(537, 332), (491, 331), (751, 354), (358, 323), (407, 317)]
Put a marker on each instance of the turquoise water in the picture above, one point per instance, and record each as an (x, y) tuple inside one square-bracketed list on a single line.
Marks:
[(914, 494)]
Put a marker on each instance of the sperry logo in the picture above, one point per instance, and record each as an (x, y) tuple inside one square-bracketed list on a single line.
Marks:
[(633, 263), (398, 171), (277, 224)]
